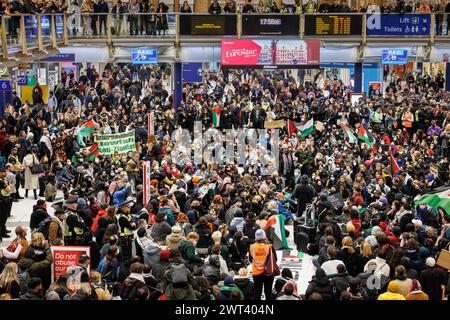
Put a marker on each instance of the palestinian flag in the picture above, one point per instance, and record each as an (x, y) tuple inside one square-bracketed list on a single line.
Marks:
[(276, 224), (348, 133), (86, 130), (395, 168), (437, 198), (307, 128), (216, 116), (364, 135), (93, 152), (291, 129)]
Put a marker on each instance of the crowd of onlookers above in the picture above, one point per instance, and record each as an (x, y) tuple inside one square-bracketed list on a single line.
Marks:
[(220, 7)]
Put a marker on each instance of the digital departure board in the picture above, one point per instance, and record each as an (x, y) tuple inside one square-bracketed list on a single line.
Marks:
[(207, 25), (340, 25), (261, 25)]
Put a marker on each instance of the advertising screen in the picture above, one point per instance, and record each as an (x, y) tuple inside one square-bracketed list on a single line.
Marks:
[(207, 25), (267, 53), (394, 56), (144, 56)]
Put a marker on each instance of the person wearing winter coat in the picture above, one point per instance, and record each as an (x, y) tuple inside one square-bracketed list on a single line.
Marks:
[(160, 229), (229, 290), (245, 284), (39, 214), (204, 232), (160, 267), (320, 284), (133, 282), (281, 281), (120, 196), (211, 269), (340, 280), (34, 290), (36, 268), (432, 278), (173, 239), (187, 248), (250, 227), (393, 292), (172, 291)]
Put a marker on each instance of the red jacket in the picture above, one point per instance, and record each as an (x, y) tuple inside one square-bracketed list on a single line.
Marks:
[(100, 214)]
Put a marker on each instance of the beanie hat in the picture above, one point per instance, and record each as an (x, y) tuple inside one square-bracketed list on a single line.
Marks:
[(176, 230), (195, 179), (228, 281), (260, 234), (272, 206), (431, 262), (164, 255), (417, 222), (393, 287)]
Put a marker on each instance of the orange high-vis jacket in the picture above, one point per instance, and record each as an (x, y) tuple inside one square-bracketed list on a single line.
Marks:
[(259, 253)]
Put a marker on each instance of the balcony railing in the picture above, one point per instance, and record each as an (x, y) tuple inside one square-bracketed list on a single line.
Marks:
[(21, 33)]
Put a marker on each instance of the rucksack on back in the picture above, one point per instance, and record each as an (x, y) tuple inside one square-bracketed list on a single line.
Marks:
[(44, 226), (179, 274)]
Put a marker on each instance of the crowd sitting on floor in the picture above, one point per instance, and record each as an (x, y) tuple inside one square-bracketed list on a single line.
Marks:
[(216, 231)]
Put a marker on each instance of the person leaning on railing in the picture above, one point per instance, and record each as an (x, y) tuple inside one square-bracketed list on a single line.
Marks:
[(134, 9), (230, 7), (248, 7), (186, 8), (215, 8), (118, 12), (87, 9)]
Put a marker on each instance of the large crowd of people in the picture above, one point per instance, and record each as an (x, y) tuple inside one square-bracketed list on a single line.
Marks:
[(212, 231)]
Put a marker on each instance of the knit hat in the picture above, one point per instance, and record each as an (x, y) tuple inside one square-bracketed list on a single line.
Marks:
[(195, 179), (164, 255), (417, 222), (393, 287), (431, 262), (272, 206), (260, 234), (176, 230), (228, 281)]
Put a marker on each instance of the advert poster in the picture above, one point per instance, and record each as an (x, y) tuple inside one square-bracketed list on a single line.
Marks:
[(270, 52), (65, 257)]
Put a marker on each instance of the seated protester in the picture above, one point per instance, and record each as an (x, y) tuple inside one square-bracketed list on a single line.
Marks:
[(350, 257), (288, 293), (187, 248), (133, 282), (394, 236), (228, 288), (79, 272), (242, 281), (250, 227), (281, 282), (109, 265), (142, 241), (238, 249), (61, 286), (382, 268), (178, 281), (323, 255), (217, 240), (112, 241), (330, 266), (403, 282), (125, 268), (202, 289), (167, 211), (238, 220), (416, 292), (34, 290), (223, 268), (100, 289), (36, 267), (204, 232), (9, 281), (320, 284), (84, 292), (355, 291), (158, 268), (173, 239), (160, 229), (392, 293), (340, 281)]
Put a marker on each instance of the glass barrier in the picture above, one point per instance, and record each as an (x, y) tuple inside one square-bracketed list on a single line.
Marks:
[(11, 27), (31, 35), (122, 25)]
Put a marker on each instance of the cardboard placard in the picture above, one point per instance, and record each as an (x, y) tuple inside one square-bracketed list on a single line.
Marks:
[(444, 259)]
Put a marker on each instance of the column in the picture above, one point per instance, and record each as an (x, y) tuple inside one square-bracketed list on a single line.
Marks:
[(177, 84), (358, 77), (447, 76)]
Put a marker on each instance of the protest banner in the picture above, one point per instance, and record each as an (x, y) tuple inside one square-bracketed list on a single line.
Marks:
[(58, 144), (274, 124), (65, 257), (336, 200), (121, 143)]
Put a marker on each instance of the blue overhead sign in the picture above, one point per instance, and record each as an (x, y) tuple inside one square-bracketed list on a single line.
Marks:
[(398, 24), (394, 56), (148, 56), (5, 85), (22, 80), (192, 72)]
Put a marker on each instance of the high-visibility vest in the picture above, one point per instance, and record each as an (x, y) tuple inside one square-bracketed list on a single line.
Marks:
[(4, 192), (259, 253), (67, 232), (125, 232)]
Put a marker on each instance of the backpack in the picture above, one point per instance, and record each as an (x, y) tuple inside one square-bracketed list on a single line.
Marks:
[(44, 226), (179, 274)]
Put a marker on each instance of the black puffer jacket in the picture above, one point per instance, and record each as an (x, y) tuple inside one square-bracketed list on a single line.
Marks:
[(320, 284), (247, 287)]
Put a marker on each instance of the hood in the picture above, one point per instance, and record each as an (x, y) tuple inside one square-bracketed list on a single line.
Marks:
[(174, 237), (321, 282), (24, 263), (133, 278), (214, 260)]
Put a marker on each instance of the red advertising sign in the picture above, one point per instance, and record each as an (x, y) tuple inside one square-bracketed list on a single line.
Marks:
[(376, 85), (270, 52), (66, 257)]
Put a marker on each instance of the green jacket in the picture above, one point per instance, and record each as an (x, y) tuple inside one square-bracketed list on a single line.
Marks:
[(188, 251)]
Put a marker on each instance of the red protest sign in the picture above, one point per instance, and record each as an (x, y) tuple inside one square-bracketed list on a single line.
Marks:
[(66, 257)]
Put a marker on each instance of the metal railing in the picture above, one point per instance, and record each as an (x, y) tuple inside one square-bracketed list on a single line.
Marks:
[(24, 32)]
